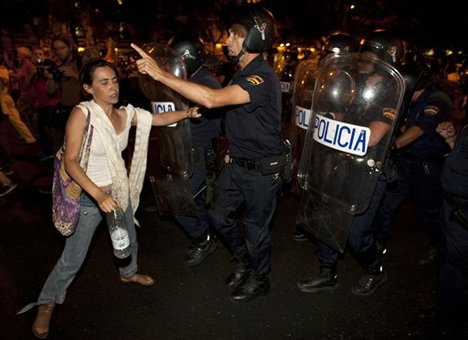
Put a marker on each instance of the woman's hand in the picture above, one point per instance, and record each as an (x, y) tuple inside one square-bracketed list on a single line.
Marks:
[(192, 112), (106, 202)]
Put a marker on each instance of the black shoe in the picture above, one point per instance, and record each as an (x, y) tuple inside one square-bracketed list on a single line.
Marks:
[(368, 283), (327, 280), (199, 252), (250, 289), (240, 274)]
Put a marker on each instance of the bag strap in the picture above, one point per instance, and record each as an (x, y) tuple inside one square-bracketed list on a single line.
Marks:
[(86, 142)]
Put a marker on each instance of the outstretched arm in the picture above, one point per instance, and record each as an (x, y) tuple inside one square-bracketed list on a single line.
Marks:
[(196, 93), (166, 118)]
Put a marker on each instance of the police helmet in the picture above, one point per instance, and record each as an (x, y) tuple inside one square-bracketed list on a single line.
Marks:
[(339, 42), (190, 49), (386, 46), (429, 72), (260, 26)]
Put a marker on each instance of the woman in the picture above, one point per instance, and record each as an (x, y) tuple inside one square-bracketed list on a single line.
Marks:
[(105, 183)]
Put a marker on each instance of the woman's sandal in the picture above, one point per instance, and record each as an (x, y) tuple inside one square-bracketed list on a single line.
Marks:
[(141, 279), (40, 326)]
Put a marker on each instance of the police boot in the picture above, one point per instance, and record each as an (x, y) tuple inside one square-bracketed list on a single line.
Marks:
[(369, 282), (240, 273), (327, 280), (202, 247), (252, 287)]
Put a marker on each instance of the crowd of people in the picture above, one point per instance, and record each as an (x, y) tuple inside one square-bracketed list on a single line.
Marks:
[(47, 100)]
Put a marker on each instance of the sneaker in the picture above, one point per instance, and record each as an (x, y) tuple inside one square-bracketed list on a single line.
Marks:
[(253, 287), (368, 283), (6, 189), (199, 252), (326, 281)]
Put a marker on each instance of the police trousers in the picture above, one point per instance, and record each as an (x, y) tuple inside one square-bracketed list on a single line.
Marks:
[(452, 295), (258, 194), (361, 241)]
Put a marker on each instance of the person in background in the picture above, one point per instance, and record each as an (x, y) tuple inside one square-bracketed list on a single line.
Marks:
[(63, 79), (44, 105), (25, 74), (452, 287), (254, 135), (205, 132), (105, 182), (9, 108)]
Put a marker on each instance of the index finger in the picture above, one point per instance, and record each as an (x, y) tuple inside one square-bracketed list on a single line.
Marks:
[(139, 50)]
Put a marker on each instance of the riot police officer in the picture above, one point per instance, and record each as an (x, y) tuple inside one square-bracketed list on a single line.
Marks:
[(419, 154), (452, 294), (204, 132), (251, 177), (337, 42), (379, 114)]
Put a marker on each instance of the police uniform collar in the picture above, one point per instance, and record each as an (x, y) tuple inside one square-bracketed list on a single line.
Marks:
[(249, 66)]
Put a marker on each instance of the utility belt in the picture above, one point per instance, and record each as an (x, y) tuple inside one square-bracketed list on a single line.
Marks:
[(282, 164)]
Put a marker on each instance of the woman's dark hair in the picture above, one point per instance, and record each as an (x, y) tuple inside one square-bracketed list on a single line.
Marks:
[(87, 71)]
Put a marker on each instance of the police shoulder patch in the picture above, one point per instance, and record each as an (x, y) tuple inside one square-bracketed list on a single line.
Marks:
[(431, 110), (389, 113), (255, 80)]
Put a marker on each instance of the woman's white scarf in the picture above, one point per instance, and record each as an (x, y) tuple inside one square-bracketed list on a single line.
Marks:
[(124, 186)]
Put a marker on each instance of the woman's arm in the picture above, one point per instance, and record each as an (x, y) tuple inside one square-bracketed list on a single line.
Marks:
[(166, 118)]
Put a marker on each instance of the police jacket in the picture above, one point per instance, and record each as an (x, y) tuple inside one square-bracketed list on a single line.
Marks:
[(432, 107), (454, 175), (254, 129)]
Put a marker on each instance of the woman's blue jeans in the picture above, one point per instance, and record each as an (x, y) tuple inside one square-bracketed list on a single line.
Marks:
[(76, 249)]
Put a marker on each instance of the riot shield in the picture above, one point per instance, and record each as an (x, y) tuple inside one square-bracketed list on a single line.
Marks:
[(170, 161), (355, 96), (301, 103)]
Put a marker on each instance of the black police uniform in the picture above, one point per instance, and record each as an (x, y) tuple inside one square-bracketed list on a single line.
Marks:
[(205, 132), (253, 131), (419, 165), (360, 237), (452, 302)]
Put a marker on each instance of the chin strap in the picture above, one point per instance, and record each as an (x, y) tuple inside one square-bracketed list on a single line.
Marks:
[(236, 58)]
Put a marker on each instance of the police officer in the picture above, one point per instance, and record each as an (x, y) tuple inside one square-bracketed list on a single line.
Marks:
[(253, 130), (384, 46), (419, 154), (205, 132), (452, 295), (337, 42)]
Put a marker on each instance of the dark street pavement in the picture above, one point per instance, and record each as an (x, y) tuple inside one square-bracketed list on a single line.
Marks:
[(192, 303)]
